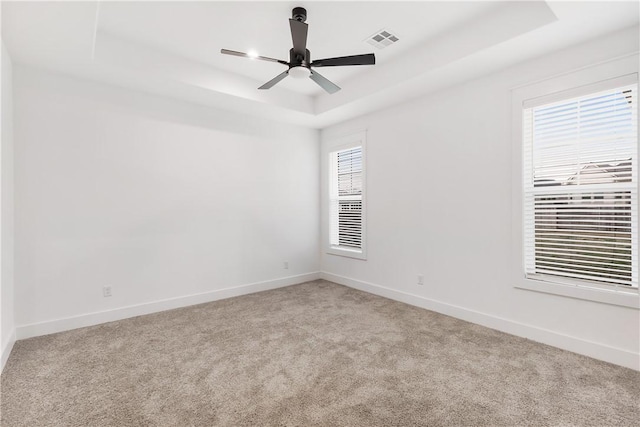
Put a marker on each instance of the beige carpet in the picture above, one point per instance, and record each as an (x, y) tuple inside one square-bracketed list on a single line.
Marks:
[(311, 354)]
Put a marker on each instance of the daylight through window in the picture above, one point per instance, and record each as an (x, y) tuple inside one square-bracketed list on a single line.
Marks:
[(581, 190), (346, 185)]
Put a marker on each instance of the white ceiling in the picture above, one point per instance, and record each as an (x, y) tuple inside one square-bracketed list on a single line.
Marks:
[(197, 31), (173, 48)]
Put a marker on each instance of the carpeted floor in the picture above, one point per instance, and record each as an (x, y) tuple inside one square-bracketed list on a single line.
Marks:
[(311, 354)]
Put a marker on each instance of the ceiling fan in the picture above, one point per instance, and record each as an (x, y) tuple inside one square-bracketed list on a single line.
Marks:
[(300, 64)]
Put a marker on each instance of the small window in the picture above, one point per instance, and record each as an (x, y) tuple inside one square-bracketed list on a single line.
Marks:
[(580, 161), (346, 201)]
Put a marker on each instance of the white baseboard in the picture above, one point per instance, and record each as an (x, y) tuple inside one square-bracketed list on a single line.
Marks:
[(587, 348), (96, 318), (6, 350)]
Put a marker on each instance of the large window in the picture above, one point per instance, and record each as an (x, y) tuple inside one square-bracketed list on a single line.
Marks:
[(346, 200), (581, 189), (576, 212)]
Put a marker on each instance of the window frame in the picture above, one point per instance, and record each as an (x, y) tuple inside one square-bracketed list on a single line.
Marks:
[(339, 144), (613, 73)]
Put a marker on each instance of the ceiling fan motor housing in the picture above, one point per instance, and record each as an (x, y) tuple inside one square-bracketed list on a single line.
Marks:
[(299, 14), (297, 60)]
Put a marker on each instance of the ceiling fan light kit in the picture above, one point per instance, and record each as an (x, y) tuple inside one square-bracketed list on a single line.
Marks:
[(299, 72), (300, 64)]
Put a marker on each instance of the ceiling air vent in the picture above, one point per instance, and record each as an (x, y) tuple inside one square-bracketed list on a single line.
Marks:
[(382, 39)]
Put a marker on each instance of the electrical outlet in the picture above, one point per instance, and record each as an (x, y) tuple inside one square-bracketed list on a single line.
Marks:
[(420, 279), (286, 265), (106, 291)]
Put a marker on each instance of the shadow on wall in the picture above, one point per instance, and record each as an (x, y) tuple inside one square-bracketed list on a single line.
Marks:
[(126, 101)]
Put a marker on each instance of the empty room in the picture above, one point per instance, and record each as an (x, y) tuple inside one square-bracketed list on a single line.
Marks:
[(324, 213)]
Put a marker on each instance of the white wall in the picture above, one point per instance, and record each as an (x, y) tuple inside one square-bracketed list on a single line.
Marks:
[(158, 198), (7, 328), (439, 202)]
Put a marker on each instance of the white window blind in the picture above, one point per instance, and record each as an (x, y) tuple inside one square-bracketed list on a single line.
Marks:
[(581, 190), (346, 184)]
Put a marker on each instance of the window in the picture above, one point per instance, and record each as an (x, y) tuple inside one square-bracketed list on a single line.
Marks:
[(346, 200), (575, 194), (581, 189)]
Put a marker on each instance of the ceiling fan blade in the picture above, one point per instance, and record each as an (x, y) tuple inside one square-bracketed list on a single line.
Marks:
[(323, 82), (299, 36), (246, 55), (366, 59), (271, 83)]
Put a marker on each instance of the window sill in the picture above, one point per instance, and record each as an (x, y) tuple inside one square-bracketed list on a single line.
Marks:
[(345, 252), (622, 298)]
